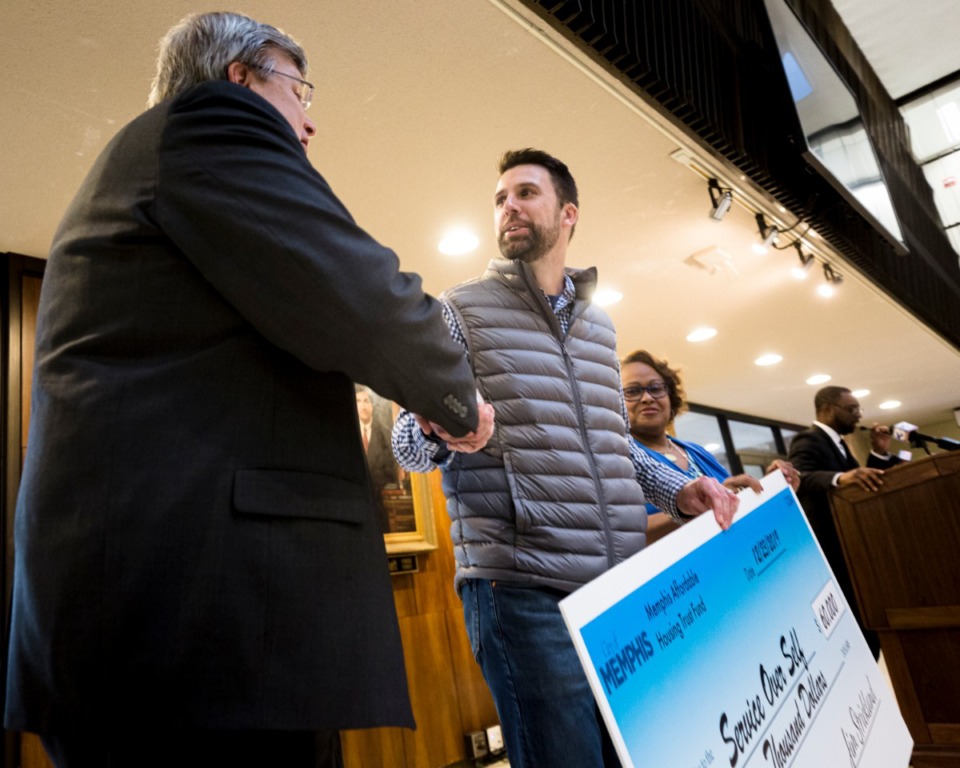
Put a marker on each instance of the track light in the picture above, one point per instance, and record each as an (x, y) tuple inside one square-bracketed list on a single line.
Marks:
[(721, 198), (832, 278), (801, 270), (768, 234)]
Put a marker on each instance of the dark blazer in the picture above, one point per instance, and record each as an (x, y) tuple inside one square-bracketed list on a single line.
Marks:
[(383, 467), (818, 459), (196, 542)]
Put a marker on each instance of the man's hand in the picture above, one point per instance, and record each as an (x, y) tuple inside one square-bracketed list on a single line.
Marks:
[(880, 439), (789, 472), (704, 493), (472, 441), (867, 478)]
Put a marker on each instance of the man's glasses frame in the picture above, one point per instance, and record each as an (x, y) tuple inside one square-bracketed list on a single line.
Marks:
[(851, 409), (306, 89)]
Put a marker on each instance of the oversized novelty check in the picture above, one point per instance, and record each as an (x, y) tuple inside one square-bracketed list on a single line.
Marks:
[(735, 649)]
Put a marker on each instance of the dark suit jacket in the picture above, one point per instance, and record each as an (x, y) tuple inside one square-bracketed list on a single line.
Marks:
[(196, 542), (818, 459), (383, 467)]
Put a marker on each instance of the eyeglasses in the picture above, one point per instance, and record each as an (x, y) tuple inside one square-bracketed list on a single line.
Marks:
[(849, 408), (306, 89), (656, 390)]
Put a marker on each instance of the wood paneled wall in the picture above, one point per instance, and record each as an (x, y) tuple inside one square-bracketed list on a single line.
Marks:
[(447, 690)]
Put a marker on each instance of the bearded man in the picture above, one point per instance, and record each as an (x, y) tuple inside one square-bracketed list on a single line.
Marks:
[(553, 500), (825, 462)]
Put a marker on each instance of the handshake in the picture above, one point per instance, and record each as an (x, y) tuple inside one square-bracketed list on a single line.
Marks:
[(470, 442)]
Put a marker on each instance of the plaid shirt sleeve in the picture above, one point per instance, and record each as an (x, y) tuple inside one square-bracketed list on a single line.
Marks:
[(660, 483), (413, 450)]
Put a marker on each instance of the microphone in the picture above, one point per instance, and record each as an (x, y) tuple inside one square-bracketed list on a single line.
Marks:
[(906, 432), (900, 431), (943, 443)]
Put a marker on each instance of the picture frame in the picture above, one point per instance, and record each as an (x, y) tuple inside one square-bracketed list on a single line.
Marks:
[(405, 499)]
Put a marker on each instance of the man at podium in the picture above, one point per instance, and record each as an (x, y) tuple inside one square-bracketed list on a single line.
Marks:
[(825, 462)]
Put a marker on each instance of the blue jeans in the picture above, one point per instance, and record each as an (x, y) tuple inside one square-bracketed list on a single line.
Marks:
[(547, 711)]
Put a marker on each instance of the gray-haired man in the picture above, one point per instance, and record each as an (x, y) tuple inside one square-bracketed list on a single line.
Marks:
[(200, 574)]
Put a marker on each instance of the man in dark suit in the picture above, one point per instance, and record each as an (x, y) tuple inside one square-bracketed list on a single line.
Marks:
[(825, 462), (200, 577), (376, 445)]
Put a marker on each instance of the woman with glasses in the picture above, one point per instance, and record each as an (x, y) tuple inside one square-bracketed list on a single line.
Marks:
[(654, 396)]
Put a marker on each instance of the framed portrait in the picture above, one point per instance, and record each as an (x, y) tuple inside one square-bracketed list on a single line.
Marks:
[(404, 499)]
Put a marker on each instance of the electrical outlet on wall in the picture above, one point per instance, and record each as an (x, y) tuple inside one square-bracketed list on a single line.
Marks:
[(476, 742), (494, 739)]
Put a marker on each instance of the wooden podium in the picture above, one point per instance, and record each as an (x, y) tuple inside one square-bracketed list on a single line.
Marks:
[(902, 546)]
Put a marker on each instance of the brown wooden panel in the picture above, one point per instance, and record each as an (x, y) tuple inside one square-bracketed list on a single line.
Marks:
[(430, 585), (945, 733), (930, 756), (447, 690), (894, 557), (900, 544), (933, 659), (32, 753), (379, 746), (404, 595), (30, 304), (903, 687), (924, 618), (433, 692)]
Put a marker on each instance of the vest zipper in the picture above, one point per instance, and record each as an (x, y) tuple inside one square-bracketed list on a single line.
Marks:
[(552, 319)]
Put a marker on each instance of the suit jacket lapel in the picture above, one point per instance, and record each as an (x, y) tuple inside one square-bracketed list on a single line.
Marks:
[(845, 459)]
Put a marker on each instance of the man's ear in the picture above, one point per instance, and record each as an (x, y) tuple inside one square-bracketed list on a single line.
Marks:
[(239, 73), (569, 215)]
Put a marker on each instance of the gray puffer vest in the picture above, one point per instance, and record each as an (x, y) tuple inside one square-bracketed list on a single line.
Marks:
[(553, 499)]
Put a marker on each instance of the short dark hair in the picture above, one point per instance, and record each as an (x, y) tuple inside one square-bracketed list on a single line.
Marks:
[(828, 396), (670, 376), (563, 182)]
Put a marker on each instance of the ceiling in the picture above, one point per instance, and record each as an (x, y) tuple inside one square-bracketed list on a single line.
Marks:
[(415, 101), (908, 44)]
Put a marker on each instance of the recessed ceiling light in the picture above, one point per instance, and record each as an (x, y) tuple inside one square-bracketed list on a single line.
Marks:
[(604, 297), (819, 378), (457, 242), (769, 359), (889, 405), (712, 447), (701, 334), (825, 290), (860, 392)]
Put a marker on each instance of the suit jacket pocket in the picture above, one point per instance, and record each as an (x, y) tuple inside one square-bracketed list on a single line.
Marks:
[(284, 493)]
